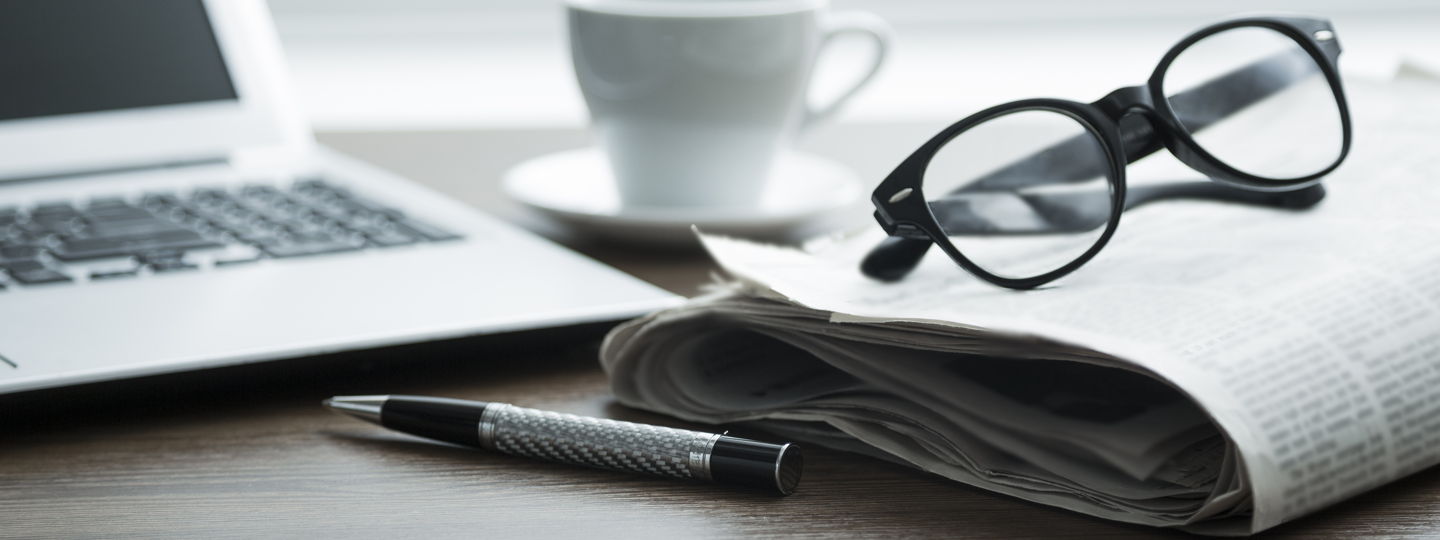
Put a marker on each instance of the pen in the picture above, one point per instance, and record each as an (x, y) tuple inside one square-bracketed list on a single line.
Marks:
[(594, 442)]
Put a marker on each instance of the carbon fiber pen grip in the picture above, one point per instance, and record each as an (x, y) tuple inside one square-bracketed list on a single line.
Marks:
[(596, 442)]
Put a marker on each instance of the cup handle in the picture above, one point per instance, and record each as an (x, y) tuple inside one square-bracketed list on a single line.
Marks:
[(850, 22)]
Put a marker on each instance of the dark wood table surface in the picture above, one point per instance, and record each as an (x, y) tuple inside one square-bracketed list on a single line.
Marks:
[(248, 452)]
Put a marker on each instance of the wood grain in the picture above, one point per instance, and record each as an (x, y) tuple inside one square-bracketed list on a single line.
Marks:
[(248, 452)]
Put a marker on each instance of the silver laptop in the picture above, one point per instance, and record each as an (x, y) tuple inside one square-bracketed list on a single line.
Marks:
[(163, 207)]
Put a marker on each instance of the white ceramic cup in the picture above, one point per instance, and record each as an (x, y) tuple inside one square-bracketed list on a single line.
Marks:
[(692, 100)]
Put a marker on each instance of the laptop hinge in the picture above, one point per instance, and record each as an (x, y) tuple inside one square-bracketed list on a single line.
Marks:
[(116, 170)]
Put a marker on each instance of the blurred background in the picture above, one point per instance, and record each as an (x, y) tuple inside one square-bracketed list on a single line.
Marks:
[(428, 65)]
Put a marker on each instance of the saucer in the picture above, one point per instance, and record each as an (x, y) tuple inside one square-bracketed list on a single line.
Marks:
[(806, 195)]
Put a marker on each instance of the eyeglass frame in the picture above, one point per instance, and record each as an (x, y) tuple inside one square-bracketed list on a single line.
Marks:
[(902, 209)]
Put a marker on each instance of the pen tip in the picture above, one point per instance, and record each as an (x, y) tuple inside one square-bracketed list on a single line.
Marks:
[(366, 408)]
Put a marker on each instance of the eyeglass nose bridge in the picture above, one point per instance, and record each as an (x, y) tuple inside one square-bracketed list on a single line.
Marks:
[(1134, 113), (1125, 101)]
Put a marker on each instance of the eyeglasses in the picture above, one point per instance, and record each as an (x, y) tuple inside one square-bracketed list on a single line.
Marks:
[(1026, 192)]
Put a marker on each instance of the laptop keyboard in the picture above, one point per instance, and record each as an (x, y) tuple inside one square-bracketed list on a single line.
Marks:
[(161, 232)]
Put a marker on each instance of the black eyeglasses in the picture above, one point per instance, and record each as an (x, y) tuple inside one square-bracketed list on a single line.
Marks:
[(1026, 192)]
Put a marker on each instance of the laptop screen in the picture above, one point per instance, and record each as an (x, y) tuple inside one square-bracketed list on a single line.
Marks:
[(62, 57)]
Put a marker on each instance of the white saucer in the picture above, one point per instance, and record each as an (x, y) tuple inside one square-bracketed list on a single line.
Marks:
[(806, 195)]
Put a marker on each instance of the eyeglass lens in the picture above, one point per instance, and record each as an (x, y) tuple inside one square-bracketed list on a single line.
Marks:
[(1275, 115), (1016, 217)]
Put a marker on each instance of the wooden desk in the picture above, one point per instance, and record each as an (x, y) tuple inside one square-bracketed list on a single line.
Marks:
[(248, 451)]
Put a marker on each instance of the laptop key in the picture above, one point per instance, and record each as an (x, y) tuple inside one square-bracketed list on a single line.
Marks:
[(12, 216), (118, 215), (155, 202), (376, 208), (280, 251), (110, 274), (61, 224), (54, 209), (171, 265), (21, 252), (429, 232), (237, 260), (237, 254), (166, 261), (302, 245), (33, 273), (131, 228), (391, 238), (116, 246), (53, 215)]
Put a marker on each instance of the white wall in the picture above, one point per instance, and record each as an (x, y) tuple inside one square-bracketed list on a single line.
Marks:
[(452, 64)]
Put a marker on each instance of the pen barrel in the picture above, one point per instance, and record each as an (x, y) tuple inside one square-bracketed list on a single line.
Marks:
[(611, 444), (596, 442)]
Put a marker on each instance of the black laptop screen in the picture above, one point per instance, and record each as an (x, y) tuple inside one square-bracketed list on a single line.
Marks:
[(76, 56)]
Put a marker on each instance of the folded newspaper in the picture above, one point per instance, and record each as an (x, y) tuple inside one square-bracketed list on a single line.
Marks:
[(1218, 368)]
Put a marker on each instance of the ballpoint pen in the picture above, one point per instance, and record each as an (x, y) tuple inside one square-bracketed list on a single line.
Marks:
[(594, 442)]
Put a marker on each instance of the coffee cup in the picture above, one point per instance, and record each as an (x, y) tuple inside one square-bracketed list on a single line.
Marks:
[(692, 100)]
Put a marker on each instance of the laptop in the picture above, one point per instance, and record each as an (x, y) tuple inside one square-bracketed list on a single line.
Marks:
[(163, 207)]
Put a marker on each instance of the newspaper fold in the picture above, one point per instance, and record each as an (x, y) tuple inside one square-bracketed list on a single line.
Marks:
[(1217, 367)]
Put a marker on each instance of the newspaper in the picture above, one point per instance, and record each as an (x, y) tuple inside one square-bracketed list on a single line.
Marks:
[(1217, 368)]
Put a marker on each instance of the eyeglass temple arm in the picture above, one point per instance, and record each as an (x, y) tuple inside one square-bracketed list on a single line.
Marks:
[(1206, 190), (1197, 108), (1204, 105), (896, 256)]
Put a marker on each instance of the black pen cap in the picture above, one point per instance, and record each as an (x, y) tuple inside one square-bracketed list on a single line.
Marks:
[(756, 464)]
